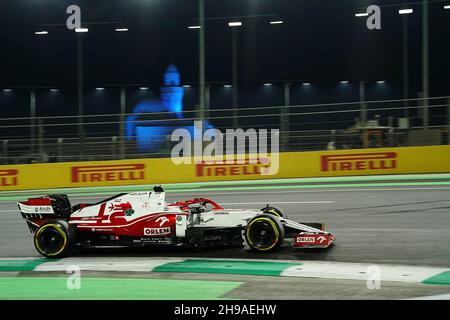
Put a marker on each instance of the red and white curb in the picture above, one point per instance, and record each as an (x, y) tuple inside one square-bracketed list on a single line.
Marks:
[(301, 269), (107, 264), (360, 271)]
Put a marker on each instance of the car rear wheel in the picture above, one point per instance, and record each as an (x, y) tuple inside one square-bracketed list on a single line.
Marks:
[(264, 233), (55, 239), (274, 211)]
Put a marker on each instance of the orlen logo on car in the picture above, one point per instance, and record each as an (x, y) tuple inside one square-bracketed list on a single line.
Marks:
[(120, 172), (9, 177), (216, 168), (157, 231), (306, 239), (358, 162)]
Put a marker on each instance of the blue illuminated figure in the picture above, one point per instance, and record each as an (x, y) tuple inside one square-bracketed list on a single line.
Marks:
[(172, 93), (152, 136)]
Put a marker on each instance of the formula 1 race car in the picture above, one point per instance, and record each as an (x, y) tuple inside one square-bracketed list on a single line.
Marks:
[(144, 218)]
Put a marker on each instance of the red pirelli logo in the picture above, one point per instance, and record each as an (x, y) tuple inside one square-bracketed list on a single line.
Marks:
[(359, 162), (216, 168), (9, 177), (120, 172)]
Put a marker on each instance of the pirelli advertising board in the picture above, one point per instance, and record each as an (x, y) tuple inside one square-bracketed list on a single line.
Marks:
[(433, 159)]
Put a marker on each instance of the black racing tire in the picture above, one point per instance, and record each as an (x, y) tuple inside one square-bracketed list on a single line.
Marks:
[(264, 233), (274, 211), (55, 239)]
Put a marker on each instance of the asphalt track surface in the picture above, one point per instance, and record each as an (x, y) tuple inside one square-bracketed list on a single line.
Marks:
[(386, 225)]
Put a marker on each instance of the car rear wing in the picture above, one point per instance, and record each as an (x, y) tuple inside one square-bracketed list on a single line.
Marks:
[(36, 206), (52, 206)]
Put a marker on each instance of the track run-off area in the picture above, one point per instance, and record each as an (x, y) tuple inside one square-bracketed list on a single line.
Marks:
[(399, 224)]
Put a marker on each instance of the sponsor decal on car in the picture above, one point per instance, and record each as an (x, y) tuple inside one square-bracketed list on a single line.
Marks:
[(89, 218), (101, 230), (180, 220), (9, 177), (313, 240), (222, 168), (120, 207), (106, 173), (359, 162), (162, 221), (212, 238), (139, 194), (306, 239), (221, 212), (157, 231), (48, 209), (36, 209)]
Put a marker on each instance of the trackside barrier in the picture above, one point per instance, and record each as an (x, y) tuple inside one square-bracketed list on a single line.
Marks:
[(405, 160)]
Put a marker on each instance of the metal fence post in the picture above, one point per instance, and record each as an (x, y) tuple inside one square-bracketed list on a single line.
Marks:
[(235, 78), (284, 118), (5, 151), (333, 136), (425, 64), (122, 122), (114, 148), (33, 120), (207, 101), (362, 98), (202, 58), (40, 137), (59, 143), (391, 131), (448, 121)]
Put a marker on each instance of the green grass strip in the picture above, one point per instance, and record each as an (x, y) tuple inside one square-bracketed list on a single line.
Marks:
[(21, 265), (442, 278), (29, 288), (258, 268)]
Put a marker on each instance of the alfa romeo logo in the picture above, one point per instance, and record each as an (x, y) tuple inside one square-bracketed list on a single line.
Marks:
[(162, 220)]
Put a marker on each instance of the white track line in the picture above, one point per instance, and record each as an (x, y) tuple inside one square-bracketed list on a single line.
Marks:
[(438, 297), (315, 190)]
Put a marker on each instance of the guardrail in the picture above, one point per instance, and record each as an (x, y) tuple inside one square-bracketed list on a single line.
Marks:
[(387, 123)]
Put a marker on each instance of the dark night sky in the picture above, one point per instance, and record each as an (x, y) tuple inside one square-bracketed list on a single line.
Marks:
[(320, 41)]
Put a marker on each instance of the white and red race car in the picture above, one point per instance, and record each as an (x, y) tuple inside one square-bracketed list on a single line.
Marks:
[(145, 218)]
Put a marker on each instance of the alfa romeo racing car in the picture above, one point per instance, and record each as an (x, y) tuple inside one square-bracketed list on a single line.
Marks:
[(145, 218)]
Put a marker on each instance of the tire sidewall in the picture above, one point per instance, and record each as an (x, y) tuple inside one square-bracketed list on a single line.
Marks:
[(275, 222), (277, 212), (66, 230)]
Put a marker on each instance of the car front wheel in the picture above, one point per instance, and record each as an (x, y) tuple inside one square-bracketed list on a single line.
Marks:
[(264, 233)]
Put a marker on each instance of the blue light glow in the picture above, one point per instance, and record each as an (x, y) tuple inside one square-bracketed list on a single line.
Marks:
[(151, 135)]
